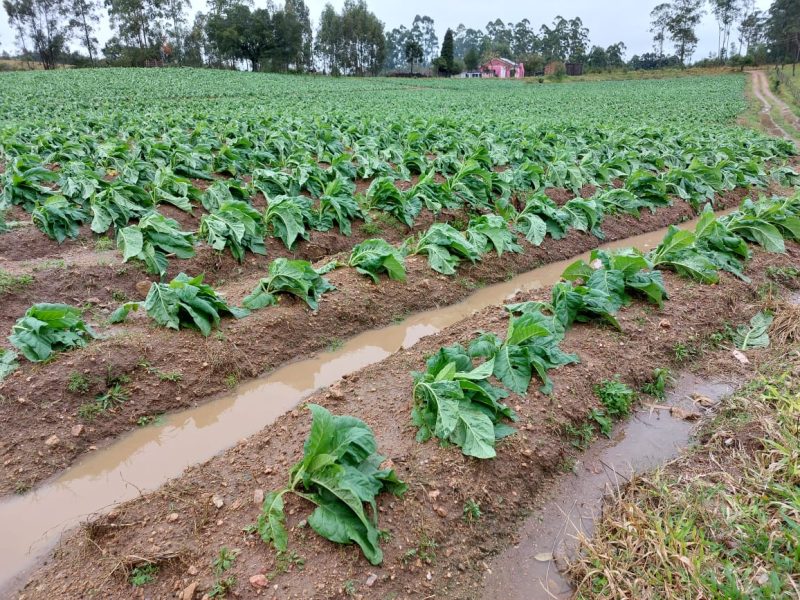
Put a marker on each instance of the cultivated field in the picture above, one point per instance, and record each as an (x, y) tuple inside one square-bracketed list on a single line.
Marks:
[(169, 234)]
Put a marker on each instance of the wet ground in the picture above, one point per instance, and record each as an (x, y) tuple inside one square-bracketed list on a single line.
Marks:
[(529, 570)]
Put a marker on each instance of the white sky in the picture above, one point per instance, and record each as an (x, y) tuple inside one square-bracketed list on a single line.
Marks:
[(608, 22)]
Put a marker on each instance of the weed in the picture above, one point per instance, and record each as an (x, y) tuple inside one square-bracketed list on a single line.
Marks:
[(22, 487), (472, 511), (114, 396), (371, 228), (13, 283), (568, 464), (349, 588), (580, 437), (119, 296), (231, 380), (103, 243), (222, 587), (219, 336), (143, 575), (682, 352), (616, 397), (224, 560), (284, 561), (782, 274), (89, 411), (77, 383), (767, 291), (334, 344), (657, 387), (602, 421)]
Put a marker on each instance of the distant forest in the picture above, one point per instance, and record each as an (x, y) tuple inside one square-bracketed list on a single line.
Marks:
[(279, 37)]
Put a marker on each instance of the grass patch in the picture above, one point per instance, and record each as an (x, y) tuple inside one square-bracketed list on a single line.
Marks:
[(721, 522), (13, 283)]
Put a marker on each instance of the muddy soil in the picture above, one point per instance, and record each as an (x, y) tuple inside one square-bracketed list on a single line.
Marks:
[(141, 356), (430, 549)]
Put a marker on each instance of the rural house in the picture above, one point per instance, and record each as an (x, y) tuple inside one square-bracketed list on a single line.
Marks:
[(503, 68)]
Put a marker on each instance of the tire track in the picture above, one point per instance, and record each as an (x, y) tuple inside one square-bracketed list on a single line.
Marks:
[(768, 102)]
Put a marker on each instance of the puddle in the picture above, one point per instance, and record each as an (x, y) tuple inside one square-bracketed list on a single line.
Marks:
[(649, 439), (146, 458)]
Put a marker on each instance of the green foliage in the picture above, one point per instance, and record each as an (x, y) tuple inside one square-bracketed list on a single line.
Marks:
[(454, 402), (117, 203), (77, 383), (472, 511), (12, 283), (754, 335), (8, 363), (58, 218), (603, 422), (340, 473), (337, 207), (376, 256), (49, 328), (235, 225), (287, 217), (296, 277), (183, 302), (152, 239), (616, 397), (384, 195), (445, 247), (143, 574), (657, 386), (491, 232)]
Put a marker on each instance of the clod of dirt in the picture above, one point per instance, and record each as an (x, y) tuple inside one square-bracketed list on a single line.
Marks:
[(77, 430), (52, 441), (258, 497), (217, 501), (259, 581)]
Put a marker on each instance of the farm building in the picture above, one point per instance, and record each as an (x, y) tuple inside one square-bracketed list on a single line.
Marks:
[(503, 68), (572, 69)]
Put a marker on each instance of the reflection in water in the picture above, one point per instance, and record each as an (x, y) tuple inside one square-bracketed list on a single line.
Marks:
[(147, 457)]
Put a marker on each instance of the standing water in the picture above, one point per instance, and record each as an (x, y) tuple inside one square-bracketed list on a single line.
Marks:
[(148, 457), (528, 570)]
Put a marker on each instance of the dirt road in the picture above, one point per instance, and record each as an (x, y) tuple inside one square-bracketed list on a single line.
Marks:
[(770, 101)]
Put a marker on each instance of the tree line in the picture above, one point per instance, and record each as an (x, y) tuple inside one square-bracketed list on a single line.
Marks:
[(353, 41)]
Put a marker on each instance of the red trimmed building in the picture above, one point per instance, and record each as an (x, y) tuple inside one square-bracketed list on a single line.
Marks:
[(503, 68)]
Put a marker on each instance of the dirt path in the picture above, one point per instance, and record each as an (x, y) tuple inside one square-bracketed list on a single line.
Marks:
[(769, 101)]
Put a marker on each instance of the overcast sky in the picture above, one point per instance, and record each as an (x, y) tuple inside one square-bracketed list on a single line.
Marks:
[(608, 22)]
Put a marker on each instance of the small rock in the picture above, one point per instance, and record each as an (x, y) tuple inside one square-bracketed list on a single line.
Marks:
[(259, 581), (371, 579), (188, 591), (77, 430), (336, 392), (434, 494), (192, 570), (258, 497), (664, 324), (172, 517), (93, 300), (143, 287), (441, 511), (217, 501), (741, 357), (52, 441)]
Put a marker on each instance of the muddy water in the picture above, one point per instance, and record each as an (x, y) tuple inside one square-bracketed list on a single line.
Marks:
[(146, 458), (528, 571)]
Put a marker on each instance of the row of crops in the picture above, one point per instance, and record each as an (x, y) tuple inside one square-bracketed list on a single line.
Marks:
[(458, 399)]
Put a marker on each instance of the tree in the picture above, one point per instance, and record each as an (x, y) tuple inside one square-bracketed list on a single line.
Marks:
[(448, 53), (726, 12), (84, 18), (44, 23), (329, 39), (240, 34), (362, 47), (683, 19), (783, 31), (751, 30), (414, 53), (176, 32), (423, 30), (659, 19), (615, 55), (472, 59), (138, 22)]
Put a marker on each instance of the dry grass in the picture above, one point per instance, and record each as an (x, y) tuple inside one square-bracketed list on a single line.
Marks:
[(721, 522)]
